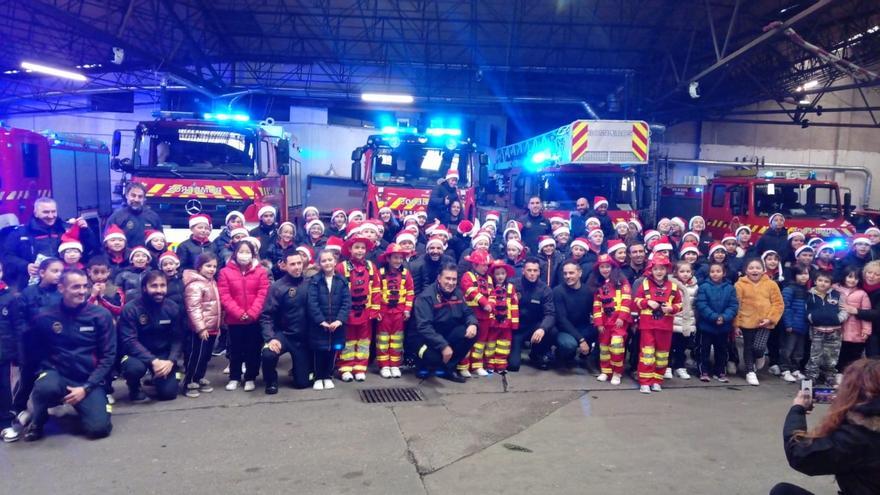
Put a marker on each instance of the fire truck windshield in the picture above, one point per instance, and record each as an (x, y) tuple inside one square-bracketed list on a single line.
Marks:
[(418, 166), (194, 152), (561, 191), (797, 200)]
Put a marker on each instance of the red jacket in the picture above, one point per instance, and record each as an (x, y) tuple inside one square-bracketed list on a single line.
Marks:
[(242, 293), (506, 310), (397, 290), (478, 292), (612, 303), (649, 290), (365, 288)]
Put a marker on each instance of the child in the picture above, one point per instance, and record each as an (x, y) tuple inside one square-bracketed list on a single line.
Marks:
[(395, 308), (760, 309), (8, 349), (826, 316), (716, 307), (169, 263), (774, 271), (795, 323), (855, 332), (315, 234), (658, 300), (104, 292), (129, 279), (515, 257), (71, 249), (617, 251), (505, 319), (612, 304), (338, 221), (550, 259), (684, 324), (825, 258), (364, 287), (114, 248), (279, 246), (329, 307), (202, 303), (156, 244), (697, 225), (562, 235), (744, 247), (310, 269), (690, 252), (478, 289), (198, 242), (773, 266)]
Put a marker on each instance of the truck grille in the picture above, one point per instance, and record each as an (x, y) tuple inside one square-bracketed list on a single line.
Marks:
[(173, 211)]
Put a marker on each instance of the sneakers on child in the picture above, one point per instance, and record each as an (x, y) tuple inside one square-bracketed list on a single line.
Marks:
[(318, 385), (395, 372), (775, 370), (602, 377), (232, 385), (359, 377), (787, 376), (328, 384), (722, 379), (347, 377), (481, 372), (465, 374), (205, 386), (226, 370), (731, 368), (645, 389), (667, 375), (798, 375), (249, 386), (385, 372), (656, 388), (110, 399), (682, 373), (752, 379), (704, 378), (615, 379), (192, 390)]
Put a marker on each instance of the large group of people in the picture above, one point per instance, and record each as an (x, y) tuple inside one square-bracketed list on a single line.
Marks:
[(449, 297)]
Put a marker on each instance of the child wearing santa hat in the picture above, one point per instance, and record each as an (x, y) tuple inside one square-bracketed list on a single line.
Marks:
[(129, 279), (338, 224), (114, 249), (71, 249), (156, 244), (198, 242), (549, 260), (169, 263)]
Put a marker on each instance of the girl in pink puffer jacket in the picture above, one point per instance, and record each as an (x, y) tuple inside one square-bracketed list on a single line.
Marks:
[(202, 301), (855, 331)]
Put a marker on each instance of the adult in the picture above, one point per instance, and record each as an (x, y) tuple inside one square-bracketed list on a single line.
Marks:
[(846, 443), (78, 346), (573, 301), (775, 238), (284, 323), (151, 339), (40, 236), (534, 225), (267, 230), (634, 269), (578, 218), (135, 217), (446, 328), (427, 266), (443, 195), (537, 318), (859, 255)]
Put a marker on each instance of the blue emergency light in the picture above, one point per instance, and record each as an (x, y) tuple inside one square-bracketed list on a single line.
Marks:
[(224, 117), (443, 131)]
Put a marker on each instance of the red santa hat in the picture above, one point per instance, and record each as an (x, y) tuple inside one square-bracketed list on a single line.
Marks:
[(312, 209), (386, 208), (139, 249), (861, 239), (239, 231), (614, 245), (369, 225), (619, 222), (693, 218), (149, 235), (562, 229), (335, 214), (516, 243), (308, 252), (599, 201), (315, 223), (266, 209), (689, 247), (691, 234), (743, 228), (825, 245), (421, 214), (493, 216), (353, 214), (662, 244), (728, 236), (229, 216), (796, 233), (872, 230), (770, 220), (679, 221), (803, 248), (405, 236), (410, 218), (715, 247), (581, 243), (545, 240), (557, 219), (291, 224), (113, 232), (650, 234), (635, 222), (590, 220), (201, 218), (334, 243), (511, 229), (452, 173), (253, 241), (481, 235), (70, 240), (436, 241), (465, 227), (168, 255)]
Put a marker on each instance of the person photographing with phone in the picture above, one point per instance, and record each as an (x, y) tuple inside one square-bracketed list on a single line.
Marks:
[(846, 443)]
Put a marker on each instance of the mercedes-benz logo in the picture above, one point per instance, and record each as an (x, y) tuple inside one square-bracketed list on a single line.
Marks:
[(193, 206)]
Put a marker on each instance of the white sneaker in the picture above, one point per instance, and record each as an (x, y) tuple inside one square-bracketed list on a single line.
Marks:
[(667, 375), (615, 379), (682, 373), (465, 374), (11, 434), (395, 373), (798, 375), (760, 362), (385, 372), (226, 370), (656, 388), (249, 386), (775, 370), (319, 385), (645, 389), (481, 372), (602, 377), (752, 378), (347, 377), (232, 385), (359, 377), (110, 399), (192, 390), (328, 384), (787, 376), (731, 368)]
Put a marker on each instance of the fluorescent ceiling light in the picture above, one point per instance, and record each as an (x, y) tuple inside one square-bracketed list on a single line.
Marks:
[(811, 84), (43, 69), (804, 102), (386, 98)]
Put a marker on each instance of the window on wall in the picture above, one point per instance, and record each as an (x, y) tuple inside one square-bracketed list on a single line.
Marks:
[(30, 160)]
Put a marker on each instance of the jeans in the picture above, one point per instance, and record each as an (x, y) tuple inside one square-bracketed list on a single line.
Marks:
[(791, 351)]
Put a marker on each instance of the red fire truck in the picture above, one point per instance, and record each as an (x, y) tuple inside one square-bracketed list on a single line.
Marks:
[(586, 158), (65, 167), (401, 167), (212, 165)]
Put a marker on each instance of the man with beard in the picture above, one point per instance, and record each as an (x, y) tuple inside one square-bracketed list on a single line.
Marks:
[(40, 236), (537, 317), (445, 329), (285, 326), (579, 217), (151, 339), (135, 217), (572, 300), (77, 343), (636, 266), (426, 268)]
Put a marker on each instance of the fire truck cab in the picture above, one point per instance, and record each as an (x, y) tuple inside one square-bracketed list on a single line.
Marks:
[(212, 165), (748, 197)]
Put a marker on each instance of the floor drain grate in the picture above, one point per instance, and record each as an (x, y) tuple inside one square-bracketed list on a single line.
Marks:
[(389, 395)]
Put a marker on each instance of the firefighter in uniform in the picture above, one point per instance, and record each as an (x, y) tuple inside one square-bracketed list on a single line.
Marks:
[(657, 299), (77, 342), (505, 317), (611, 316), (364, 286), (476, 284), (151, 339), (395, 305)]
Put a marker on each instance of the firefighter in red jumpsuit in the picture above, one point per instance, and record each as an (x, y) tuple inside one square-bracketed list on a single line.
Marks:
[(505, 319), (658, 299), (478, 289), (364, 285), (612, 303), (395, 304)]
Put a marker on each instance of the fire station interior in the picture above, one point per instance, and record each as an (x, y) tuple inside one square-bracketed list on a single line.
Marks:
[(732, 110)]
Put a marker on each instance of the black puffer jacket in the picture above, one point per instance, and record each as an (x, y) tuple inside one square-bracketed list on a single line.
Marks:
[(8, 316), (851, 453)]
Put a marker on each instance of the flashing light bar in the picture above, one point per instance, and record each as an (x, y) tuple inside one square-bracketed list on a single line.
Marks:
[(223, 117), (441, 131), (52, 71), (387, 98)]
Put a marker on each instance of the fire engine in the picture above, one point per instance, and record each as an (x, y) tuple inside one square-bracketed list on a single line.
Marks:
[(212, 165), (63, 166), (586, 158), (401, 166), (748, 197)]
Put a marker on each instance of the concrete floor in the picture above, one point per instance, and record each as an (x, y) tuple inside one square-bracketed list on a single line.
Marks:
[(552, 432)]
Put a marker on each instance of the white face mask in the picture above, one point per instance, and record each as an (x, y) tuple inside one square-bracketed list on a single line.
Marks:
[(244, 259)]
